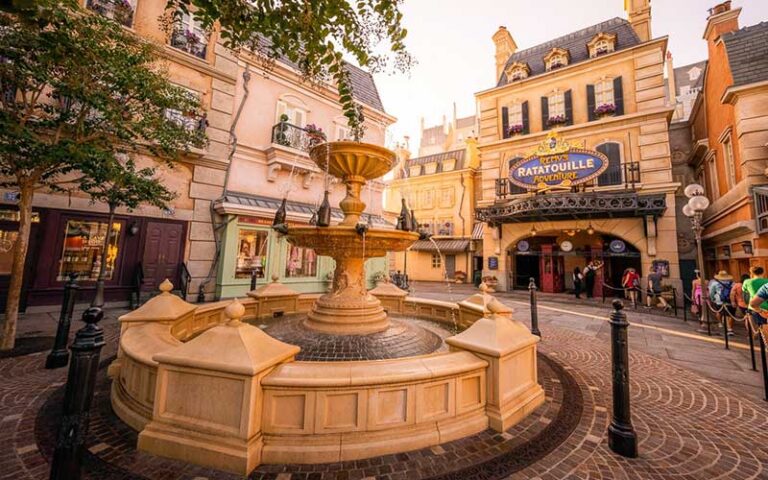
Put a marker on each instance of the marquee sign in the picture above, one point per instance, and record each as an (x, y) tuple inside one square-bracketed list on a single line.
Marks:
[(556, 163)]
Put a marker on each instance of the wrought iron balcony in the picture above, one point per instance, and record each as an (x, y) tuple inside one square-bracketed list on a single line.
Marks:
[(561, 206), (120, 11), (289, 135), (626, 174)]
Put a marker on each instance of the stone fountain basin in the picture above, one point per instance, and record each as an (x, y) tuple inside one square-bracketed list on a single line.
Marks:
[(353, 159), (330, 241)]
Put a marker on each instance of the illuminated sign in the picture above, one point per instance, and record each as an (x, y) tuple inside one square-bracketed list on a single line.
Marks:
[(555, 163)]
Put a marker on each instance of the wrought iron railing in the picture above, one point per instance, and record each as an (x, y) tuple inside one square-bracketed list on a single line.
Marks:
[(760, 195), (189, 42), (120, 11), (289, 135), (137, 282), (505, 188), (185, 281)]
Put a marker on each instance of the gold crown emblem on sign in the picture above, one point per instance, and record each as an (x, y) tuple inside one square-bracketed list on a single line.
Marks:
[(554, 144)]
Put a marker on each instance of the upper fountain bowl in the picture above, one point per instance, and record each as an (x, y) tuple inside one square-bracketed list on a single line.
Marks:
[(353, 159)]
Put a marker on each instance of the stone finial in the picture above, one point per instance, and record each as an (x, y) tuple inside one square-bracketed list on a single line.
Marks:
[(483, 287), (275, 278), (166, 287), (234, 312)]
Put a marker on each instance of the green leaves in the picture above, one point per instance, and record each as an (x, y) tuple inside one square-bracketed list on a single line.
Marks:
[(314, 35)]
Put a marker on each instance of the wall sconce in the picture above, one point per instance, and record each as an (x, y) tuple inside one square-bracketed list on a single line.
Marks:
[(747, 247), (590, 230), (533, 231), (133, 229)]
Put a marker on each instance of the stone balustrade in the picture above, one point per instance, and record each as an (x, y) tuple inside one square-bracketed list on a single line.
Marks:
[(203, 387)]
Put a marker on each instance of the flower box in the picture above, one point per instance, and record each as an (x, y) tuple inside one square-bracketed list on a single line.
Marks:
[(514, 130), (556, 120), (605, 110)]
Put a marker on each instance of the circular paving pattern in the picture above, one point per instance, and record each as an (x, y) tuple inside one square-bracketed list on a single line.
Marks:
[(405, 337)]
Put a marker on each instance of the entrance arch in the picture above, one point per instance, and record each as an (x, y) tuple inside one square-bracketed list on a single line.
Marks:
[(551, 257)]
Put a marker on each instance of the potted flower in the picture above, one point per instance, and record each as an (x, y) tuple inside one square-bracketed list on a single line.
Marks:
[(605, 110), (460, 276), (514, 130), (556, 120), (491, 282), (123, 12), (315, 134)]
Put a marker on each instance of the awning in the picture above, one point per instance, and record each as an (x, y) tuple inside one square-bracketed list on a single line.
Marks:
[(478, 230), (445, 246)]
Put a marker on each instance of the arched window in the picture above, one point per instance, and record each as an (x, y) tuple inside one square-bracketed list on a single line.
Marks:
[(613, 175)]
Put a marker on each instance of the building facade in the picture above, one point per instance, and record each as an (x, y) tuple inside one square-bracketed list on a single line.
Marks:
[(729, 156), (575, 157), (195, 241), (440, 189), (447, 136)]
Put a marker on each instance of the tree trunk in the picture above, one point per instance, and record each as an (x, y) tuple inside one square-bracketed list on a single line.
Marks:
[(98, 300), (8, 324)]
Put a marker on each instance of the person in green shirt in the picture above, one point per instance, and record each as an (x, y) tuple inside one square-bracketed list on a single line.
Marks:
[(754, 289)]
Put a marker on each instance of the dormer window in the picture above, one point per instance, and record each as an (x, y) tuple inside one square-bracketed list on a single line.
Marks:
[(517, 71), (601, 44), (556, 58), (694, 73)]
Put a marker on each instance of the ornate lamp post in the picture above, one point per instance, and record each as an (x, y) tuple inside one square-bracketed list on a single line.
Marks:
[(694, 209)]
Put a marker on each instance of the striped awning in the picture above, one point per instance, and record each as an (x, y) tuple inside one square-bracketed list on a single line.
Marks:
[(478, 231), (445, 246)]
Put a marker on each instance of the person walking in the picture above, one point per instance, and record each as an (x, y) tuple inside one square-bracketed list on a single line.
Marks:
[(697, 303), (631, 284), (590, 272), (738, 299), (577, 279), (720, 294), (750, 287), (653, 295)]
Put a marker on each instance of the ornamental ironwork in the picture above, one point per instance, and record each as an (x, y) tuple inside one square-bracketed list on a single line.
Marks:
[(574, 205)]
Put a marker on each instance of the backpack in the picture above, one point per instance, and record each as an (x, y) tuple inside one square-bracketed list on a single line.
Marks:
[(744, 295), (725, 292)]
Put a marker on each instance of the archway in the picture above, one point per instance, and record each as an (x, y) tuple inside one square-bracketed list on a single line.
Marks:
[(552, 256)]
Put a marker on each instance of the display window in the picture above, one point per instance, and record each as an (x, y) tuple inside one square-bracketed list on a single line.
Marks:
[(301, 262), (83, 247), (251, 253)]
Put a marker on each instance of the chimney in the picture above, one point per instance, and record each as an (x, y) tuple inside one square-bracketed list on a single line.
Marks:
[(505, 47), (421, 122), (671, 80), (445, 126), (639, 15), (454, 115), (721, 20)]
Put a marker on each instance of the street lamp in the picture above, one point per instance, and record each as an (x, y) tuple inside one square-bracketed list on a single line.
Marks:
[(694, 209)]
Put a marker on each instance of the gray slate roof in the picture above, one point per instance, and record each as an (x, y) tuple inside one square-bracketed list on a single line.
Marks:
[(439, 158), (748, 54), (682, 79), (575, 43)]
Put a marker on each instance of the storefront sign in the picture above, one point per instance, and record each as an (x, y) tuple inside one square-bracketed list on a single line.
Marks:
[(617, 246), (555, 163), (493, 263), (661, 266), (522, 246)]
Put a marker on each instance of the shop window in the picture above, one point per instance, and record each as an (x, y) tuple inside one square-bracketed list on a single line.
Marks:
[(301, 262), (7, 240), (436, 260), (83, 245), (251, 253)]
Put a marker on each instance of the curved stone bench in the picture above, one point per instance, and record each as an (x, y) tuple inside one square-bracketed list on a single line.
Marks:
[(203, 387)]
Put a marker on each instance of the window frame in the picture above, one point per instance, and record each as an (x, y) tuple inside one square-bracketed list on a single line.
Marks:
[(437, 261), (287, 260), (552, 104), (265, 254), (603, 87)]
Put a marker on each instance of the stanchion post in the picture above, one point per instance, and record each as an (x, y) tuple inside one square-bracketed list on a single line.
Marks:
[(724, 320), (59, 355), (534, 308), (253, 279), (706, 314), (621, 435), (78, 394), (761, 341)]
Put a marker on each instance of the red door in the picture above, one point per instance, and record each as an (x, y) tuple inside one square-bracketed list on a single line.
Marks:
[(551, 267), (162, 254)]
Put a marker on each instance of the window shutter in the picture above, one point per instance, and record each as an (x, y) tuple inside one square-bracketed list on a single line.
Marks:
[(544, 113), (504, 122), (281, 109), (591, 103), (613, 175), (299, 119), (568, 108), (618, 96), (526, 125)]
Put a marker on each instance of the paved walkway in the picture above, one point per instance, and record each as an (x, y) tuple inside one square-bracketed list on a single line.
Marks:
[(697, 410)]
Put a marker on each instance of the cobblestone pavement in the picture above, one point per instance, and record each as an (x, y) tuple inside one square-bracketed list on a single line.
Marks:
[(693, 422)]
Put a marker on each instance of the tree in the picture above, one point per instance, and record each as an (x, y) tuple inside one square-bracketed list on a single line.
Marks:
[(313, 35), (120, 184), (76, 89)]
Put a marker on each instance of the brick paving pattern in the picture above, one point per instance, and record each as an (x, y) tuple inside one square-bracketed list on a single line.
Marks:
[(690, 424)]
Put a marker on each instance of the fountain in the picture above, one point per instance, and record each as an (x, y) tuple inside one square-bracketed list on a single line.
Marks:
[(349, 309)]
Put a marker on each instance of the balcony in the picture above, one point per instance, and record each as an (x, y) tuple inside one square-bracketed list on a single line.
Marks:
[(291, 136), (120, 11), (190, 42), (625, 174), (289, 151)]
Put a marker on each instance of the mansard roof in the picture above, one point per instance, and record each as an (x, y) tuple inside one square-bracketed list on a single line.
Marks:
[(748, 54)]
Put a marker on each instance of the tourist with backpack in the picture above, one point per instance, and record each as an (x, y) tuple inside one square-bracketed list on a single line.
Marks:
[(720, 295), (653, 294)]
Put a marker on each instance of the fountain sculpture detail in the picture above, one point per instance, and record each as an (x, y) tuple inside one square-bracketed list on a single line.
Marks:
[(349, 309)]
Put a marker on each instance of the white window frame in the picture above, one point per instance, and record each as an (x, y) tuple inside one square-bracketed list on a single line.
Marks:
[(714, 188), (515, 112), (176, 115), (297, 114), (343, 132), (559, 59), (604, 92), (556, 103), (603, 46)]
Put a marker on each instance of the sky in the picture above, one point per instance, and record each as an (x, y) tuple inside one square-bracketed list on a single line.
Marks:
[(451, 40)]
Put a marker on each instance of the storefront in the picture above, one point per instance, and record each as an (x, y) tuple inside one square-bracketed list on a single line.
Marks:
[(69, 241), (252, 248)]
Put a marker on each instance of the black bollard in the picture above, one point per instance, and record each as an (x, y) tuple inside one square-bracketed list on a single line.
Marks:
[(59, 355), (253, 279), (534, 308), (763, 361), (81, 380), (724, 320), (751, 338), (621, 436)]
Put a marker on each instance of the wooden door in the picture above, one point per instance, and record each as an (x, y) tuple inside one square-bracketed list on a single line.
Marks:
[(450, 266), (162, 254)]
